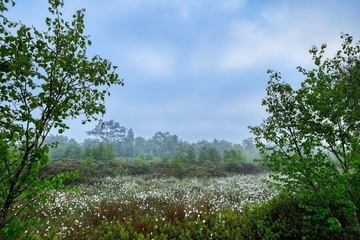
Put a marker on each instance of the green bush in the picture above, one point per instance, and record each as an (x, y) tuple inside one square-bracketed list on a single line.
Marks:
[(232, 159), (108, 231), (88, 163), (101, 152), (283, 218), (89, 170), (177, 166), (140, 165)]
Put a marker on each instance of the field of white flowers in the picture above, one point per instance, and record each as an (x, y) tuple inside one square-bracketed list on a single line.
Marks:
[(121, 198)]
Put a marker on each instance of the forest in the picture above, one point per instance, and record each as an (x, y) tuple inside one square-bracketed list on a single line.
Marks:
[(163, 155), (122, 142)]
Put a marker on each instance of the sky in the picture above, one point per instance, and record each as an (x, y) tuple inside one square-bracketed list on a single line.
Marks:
[(197, 68)]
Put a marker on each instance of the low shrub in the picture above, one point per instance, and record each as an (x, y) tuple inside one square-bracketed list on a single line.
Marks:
[(282, 218), (224, 225), (89, 172)]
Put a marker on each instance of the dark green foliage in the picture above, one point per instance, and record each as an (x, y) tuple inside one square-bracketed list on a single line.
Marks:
[(89, 170), (190, 156), (164, 145), (108, 231), (101, 152), (128, 145), (141, 161), (177, 166), (209, 153), (89, 163), (311, 137), (232, 159), (283, 218), (65, 148)]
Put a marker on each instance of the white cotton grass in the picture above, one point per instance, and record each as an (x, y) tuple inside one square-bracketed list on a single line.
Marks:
[(72, 210)]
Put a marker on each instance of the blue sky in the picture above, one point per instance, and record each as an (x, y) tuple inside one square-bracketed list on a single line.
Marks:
[(197, 68)]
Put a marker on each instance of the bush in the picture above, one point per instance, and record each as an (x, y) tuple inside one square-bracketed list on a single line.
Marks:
[(283, 218), (101, 152), (177, 166), (232, 159), (89, 171)]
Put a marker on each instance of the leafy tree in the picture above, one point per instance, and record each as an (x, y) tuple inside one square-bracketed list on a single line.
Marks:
[(58, 139), (90, 142), (164, 144), (209, 153), (222, 145), (190, 156), (87, 151), (176, 165), (250, 149), (140, 146), (141, 161), (109, 131), (61, 142), (127, 147), (311, 136), (232, 158), (65, 148), (3, 5), (104, 152), (73, 150), (101, 152), (47, 79)]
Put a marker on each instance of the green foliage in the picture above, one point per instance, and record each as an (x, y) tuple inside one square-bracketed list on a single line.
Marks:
[(232, 158), (101, 152), (64, 148), (249, 149), (142, 163), (127, 146), (88, 162), (311, 137), (222, 225), (209, 153), (164, 144), (161, 145), (45, 78), (108, 230), (283, 218), (108, 131), (190, 156), (89, 171), (177, 166)]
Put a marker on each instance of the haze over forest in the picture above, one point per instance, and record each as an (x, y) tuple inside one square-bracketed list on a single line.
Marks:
[(197, 69)]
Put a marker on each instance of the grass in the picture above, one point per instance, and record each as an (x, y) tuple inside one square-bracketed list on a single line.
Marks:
[(144, 206)]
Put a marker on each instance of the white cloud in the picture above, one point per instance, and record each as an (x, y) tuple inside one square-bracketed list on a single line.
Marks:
[(151, 60), (280, 34), (245, 107)]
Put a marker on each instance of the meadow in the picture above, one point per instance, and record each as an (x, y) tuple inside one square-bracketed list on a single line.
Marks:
[(130, 207)]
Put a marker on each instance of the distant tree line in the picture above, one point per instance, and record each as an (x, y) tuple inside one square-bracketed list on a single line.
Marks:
[(110, 140)]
